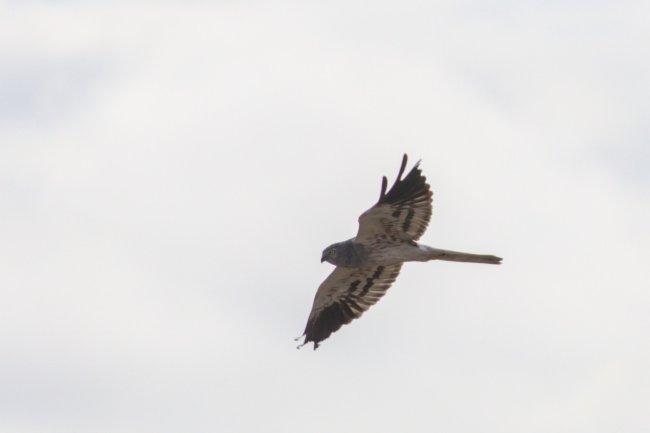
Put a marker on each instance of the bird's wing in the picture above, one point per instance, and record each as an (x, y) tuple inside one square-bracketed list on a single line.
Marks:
[(403, 212), (344, 296)]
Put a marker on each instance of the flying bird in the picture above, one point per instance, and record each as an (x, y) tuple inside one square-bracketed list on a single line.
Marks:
[(369, 263)]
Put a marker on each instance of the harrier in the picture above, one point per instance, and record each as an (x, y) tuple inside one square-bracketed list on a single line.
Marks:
[(369, 263)]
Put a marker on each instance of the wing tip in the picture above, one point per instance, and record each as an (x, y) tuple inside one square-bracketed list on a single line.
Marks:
[(414, 182), (402, 168), (306, 342), (384, 185), (405, 159), (309, 339)]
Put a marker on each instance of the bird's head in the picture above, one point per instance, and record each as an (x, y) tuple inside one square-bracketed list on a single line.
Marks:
[(330, 254)]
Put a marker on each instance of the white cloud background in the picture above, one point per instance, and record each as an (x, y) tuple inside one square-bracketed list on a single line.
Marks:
[(169, 173)]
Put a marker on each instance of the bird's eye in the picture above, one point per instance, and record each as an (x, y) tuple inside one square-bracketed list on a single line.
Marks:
[(332, 252)]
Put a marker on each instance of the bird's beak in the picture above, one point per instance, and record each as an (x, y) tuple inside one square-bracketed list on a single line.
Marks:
[(322, 259)]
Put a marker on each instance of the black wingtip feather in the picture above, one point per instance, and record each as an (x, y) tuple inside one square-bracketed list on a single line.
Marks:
[(413, 186), (384, 185), (327, 322), (405, 159)]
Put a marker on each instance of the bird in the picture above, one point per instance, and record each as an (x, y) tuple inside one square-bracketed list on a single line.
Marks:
[(368, 264)]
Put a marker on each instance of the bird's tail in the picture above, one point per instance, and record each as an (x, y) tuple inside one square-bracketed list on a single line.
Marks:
[(455, 256)]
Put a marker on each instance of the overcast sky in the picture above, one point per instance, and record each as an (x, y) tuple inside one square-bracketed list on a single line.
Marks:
[(170, 172)]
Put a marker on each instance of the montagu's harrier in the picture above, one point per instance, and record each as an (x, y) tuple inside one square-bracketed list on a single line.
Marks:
[(369, 263)]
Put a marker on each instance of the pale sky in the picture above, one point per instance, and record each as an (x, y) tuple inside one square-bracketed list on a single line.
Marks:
[(171, 171)]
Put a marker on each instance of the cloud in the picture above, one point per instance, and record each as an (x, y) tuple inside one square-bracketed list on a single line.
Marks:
[(170, 173)]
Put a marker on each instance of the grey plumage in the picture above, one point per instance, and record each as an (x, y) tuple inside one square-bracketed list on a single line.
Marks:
[(349, 254), (369, 263)]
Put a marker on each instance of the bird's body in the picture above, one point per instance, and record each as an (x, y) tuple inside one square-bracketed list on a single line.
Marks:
[(386, 251), (369, 263)]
